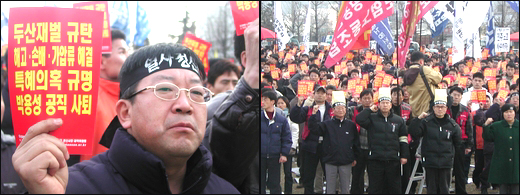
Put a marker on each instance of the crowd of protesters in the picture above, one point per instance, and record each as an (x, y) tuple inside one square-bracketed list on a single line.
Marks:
[(489, 129)]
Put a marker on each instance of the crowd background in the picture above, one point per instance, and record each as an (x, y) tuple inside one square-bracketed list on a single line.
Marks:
[(285, 68)]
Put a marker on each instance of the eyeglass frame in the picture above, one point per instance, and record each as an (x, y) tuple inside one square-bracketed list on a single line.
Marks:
[(180, 89)]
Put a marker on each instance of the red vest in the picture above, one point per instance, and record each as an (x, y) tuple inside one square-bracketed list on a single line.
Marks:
[(306, 126), (478, 135), (461, 120)]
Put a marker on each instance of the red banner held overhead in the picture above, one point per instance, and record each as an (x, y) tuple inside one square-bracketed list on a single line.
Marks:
[(356, 18), (413, 12), (199, 46), (244, 12), (106, 48), (54, 64)]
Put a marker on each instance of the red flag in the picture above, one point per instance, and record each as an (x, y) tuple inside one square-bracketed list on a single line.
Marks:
[(414, 11), (200, 47), (357, 17)]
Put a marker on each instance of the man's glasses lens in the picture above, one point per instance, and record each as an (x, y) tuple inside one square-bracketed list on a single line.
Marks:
[(170, 92)]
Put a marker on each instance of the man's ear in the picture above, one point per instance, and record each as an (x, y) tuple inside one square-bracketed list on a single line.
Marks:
[(243, 58), (124, 113), (103, 63)]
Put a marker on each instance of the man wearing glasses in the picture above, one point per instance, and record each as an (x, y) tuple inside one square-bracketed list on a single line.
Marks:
[(157, 148), (440, 134)]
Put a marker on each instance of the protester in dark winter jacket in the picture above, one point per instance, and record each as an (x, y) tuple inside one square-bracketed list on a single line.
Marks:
[(275, 144), (388, 145), (439, 135), (340, 146), (157, 147)]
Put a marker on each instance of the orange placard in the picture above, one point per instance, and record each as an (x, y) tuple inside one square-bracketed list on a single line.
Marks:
[(334, 82), (304, 67), (280, 54), (244, 13), (395, 63), (325, 48), (436, 68), (376, 97), (302, 88), (503, 93), (478, 96), (387, 80), (463, 81), (447, 79), (100, 6), (343, 65), (502, 84), (488, 73), (54, 67), (288, 56), (351, 85), (449, 51), (466, 70), (302, 48), (317, 62), (485, 53), (337, 69), (275, 74), (365, 77), (350, 56), (378, 82), (291, 68), (492, 85), (469, 64), (394, 56), (272, 67), (357, 92), (503, 66), (449, 61), (323, 83), (320, 56), (200, 47), (345, 71), (379, 61), (286, 75), (368, 55), (294, 50), (379, 67), (374, 58), (474, 69)]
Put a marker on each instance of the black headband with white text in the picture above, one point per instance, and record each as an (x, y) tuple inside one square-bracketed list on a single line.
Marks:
[(162, 62)]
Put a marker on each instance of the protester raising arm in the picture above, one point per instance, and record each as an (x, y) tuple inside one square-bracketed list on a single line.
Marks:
[(363, 118)]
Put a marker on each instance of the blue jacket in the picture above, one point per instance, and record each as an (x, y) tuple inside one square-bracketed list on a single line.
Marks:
[(129, 168), (275, 137)]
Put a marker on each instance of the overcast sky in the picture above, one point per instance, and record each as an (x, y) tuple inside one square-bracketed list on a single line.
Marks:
[(163, 16)]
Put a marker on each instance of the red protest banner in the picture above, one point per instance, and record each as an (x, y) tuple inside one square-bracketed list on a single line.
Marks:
[(100, 6), (355, 18), (200, 47), (415, 10), (244, 12), (302, 88), (54, 64)]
